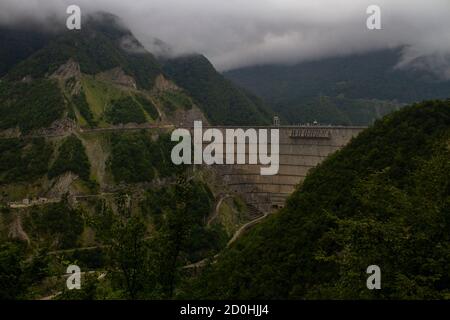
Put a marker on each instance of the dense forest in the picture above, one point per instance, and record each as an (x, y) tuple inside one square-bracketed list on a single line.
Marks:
[(83, 107), (221, 101), (382, 200), (23, 161), (337, 111), (21, 104), (148, 106), (125, 110), (18, 43), (71, 158), (141, 263), (359, 79), (104, 44), (137, 158), (97, 47)]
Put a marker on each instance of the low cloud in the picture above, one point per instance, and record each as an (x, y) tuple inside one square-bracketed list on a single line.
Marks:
[(236, 33)]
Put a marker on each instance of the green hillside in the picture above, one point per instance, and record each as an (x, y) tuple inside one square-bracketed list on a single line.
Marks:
[(221, 101), (71, 158), (22, 104), (97, 47), (18, 43), (113, 66), (98, 76), (360, 79), (23, 161), (337, 111), (382, 200), (81, 183)]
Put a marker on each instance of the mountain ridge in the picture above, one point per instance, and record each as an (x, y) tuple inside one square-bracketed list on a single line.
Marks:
[(362, 81), (105, 47)]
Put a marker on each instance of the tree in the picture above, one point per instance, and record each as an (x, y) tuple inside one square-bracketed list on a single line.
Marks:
[(12, 282), (173, 236), (130, 255), (125, 234)]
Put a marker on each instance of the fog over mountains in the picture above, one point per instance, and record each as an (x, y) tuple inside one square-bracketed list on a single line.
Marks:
[(235, 34)]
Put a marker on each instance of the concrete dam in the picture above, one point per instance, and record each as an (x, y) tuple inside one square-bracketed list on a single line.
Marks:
[(301, 148)]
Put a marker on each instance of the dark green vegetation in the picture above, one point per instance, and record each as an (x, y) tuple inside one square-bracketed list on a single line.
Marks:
[(18, 43), (148, 106), (125, 110), (291, 89), (71, 158), (171, 101), (137, 158), (55, 225), (17, 272), (221, 101), (30, 105), (104, 44), (338, 111), (11, 284), (83, 107), (384, 200), (158, 204), (23, 161), (23, 267), (142, 242), (101, 45), (144, 265)]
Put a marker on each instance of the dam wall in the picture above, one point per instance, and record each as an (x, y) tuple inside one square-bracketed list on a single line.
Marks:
[(301, 148)]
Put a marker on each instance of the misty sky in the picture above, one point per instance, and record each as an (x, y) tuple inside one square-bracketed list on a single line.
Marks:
[(236, 33)]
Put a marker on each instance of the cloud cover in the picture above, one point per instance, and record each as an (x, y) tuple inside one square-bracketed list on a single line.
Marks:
[(237, 33)]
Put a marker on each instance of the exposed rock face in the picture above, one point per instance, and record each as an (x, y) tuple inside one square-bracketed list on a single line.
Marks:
[(118, 77), (162, 84), (98, 155), (16, 230), (10, 133), (62, 185), (58, 128), (70, 75), (27, 79), (186, 118)]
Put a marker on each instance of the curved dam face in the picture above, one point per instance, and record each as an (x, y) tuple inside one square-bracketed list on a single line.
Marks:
[(301, 148)]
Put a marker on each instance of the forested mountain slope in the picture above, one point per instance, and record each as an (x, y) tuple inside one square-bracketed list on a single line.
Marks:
[(383, 200), (104, 50), (86, 175), (221, 100), (343, 90)]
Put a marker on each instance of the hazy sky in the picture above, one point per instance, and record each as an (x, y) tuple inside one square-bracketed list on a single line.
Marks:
[(235, 33)]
